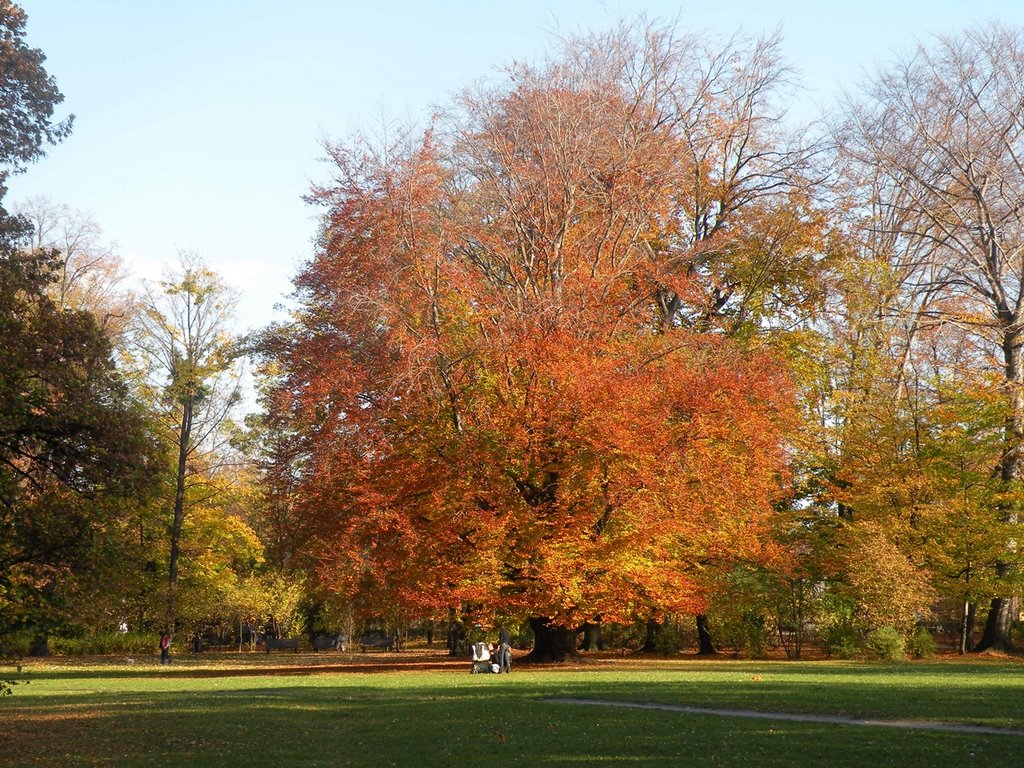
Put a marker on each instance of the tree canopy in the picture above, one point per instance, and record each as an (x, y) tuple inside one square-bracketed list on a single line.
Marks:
[(72, 441), (481, 401), (28, 97)]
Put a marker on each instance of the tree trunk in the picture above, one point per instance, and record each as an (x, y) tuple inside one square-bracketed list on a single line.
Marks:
[(967, 628), (651, 638), (457, 645), (551, 643), (184, 436), (1001, 615), (705, 647), (40, 647), (845, 512), (591, 636), (1005, 609)]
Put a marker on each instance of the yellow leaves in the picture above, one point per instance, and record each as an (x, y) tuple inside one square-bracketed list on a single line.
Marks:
[(222, 535), (889, 589)]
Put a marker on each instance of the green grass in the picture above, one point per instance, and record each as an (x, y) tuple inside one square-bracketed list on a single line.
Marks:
[(274, 711)]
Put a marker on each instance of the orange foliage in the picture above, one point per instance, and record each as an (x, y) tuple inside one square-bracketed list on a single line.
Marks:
[(480, 400)]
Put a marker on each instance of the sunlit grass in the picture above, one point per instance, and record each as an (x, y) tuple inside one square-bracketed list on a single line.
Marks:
[(257, 711)]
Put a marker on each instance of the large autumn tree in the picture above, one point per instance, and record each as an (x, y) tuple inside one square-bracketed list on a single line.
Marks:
[(479, 400)]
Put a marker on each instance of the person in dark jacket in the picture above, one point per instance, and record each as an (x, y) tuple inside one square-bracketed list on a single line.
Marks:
[(504, 649)]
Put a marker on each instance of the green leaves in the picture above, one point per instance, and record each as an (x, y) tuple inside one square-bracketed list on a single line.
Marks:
[(28, 95), (75, 452)]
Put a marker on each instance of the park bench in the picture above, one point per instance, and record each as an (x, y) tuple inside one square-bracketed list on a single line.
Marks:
[(283, 644), (384, 642), (337, 642)]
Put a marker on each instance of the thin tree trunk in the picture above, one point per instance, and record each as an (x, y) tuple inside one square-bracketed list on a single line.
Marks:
[(184, 436), (962, 649), (967, 628)]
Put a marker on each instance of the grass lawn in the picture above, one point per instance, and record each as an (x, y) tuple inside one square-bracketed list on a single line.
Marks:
[(364, 710)]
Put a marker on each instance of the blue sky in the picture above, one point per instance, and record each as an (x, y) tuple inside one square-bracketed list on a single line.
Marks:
[(199, 123)]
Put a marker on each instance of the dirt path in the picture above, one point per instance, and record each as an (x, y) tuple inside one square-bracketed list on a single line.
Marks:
[(910, 725)]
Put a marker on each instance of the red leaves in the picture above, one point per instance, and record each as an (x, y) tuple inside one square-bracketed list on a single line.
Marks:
[(485, 403)]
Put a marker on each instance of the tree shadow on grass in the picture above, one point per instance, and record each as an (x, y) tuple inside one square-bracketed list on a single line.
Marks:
[(481, 720)]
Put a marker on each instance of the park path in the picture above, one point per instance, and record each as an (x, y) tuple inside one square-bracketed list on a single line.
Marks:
[(910, 725)]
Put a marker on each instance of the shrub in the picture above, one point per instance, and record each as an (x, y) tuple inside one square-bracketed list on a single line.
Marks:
[(15, 645), (748, 634), (887, 588), (104, 643), (922, 644), (886, 644), (623, 636), (843, 641), (747, 609), (669, 639)]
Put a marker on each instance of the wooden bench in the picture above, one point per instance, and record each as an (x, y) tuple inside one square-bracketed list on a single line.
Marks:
[(284, 644), (338, 643), (378, 641)]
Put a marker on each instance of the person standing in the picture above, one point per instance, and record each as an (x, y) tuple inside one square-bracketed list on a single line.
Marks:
[(504, 649), (165, 648)]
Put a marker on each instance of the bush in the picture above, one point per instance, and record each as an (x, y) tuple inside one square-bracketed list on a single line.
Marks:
[(15, 645), (748, 634), (886, 644), (670, 638), (623, 636), (747, 610), (104, 643), (843, 641), (887, 588), (922, 644)]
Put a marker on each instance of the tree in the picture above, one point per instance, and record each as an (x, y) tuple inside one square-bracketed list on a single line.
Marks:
[(477, 403), (219, 554), (183, 339), (741, 249), (92, 275), (936, 144), (28, 96), (74, 448)]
